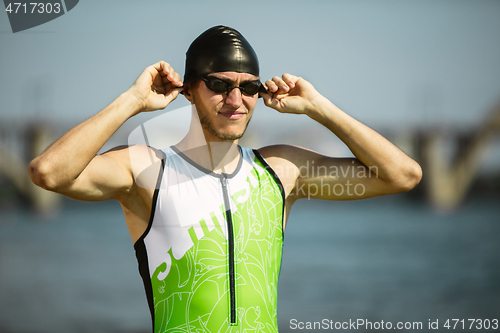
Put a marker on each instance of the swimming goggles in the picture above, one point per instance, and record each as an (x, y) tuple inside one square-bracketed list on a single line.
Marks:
[(220, 86)]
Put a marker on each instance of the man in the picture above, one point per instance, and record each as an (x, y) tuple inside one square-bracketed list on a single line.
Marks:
[(207, 216)]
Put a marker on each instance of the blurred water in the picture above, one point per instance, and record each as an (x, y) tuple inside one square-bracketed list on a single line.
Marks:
[(390, 259)]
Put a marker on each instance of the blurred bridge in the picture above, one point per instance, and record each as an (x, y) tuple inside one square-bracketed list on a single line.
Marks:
[(446, 181), (18, 145)]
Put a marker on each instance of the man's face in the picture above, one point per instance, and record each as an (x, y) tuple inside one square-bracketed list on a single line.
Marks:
[(223, 116)]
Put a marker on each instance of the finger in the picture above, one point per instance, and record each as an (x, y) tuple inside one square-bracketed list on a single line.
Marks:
[(161, 67), (158, 89), (168, 70), (271, 86), (169, 75), (168, 89), (163, 100), (165, 70), (174, 93), (281, 84), (178, 81), (157, 72), (270, 101), (290, 79), (175, 79), (266, 97)]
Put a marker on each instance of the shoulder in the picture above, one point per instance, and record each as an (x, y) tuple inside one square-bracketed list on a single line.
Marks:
[(284, 160), (285, 154), (133, 157), (289, 161), (128, 153), (142, 162)]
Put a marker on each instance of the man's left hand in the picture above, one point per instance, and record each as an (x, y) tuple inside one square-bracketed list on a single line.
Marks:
[(291, 94)]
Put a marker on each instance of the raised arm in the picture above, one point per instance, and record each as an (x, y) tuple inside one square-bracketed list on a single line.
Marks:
[(70, 165), (379, 167)]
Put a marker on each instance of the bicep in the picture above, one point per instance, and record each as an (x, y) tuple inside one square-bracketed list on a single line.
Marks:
[(331, 178), (307, 174), (107, 176)]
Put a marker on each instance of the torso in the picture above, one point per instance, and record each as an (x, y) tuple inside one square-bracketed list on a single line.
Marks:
[(205, 234), (137, 204)]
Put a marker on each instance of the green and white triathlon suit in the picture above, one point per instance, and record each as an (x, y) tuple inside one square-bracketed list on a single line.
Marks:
[(211, 255)]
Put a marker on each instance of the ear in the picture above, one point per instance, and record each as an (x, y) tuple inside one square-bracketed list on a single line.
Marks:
[(188, 88)]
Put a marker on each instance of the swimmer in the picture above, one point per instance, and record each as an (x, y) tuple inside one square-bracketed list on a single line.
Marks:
[(208, 218)]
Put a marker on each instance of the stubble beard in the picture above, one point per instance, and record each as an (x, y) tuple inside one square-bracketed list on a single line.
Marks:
[(208, 125)]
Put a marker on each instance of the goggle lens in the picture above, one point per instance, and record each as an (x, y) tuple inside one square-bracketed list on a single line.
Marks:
[(220, 86)]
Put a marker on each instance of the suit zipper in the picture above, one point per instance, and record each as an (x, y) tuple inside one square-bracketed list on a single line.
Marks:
[(232, 284)]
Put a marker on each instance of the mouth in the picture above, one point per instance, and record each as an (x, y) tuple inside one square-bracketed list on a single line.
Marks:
[(233, 115)]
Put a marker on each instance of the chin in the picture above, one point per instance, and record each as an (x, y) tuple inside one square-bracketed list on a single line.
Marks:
[(230, 136), (229, 132)]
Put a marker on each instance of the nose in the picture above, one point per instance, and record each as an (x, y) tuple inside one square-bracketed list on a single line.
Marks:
[(234, 97)]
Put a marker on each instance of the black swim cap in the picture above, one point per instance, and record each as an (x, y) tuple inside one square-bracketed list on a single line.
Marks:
[(220, 49)]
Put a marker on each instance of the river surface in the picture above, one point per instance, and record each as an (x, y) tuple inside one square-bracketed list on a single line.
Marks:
[(390, 259)]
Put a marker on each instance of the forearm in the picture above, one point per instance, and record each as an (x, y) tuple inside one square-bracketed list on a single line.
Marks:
[(369, 147), (68, 156)]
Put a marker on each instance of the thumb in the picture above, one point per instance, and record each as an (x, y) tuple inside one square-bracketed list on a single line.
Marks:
[(269, 101), (173, 94)]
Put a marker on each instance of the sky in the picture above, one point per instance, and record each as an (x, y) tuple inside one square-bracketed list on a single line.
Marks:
[(398, 65)]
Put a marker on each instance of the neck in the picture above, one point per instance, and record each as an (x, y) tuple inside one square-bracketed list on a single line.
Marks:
[(219, 156)]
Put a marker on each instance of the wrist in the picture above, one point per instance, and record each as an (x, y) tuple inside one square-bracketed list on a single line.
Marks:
[(319, 109), (135, 104)]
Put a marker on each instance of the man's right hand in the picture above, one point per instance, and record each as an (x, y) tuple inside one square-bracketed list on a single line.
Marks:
[(71, 166), (156, 87)]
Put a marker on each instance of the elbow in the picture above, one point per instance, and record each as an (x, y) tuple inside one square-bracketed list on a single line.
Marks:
[(410, 177), (42, 175), (416, 175)]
